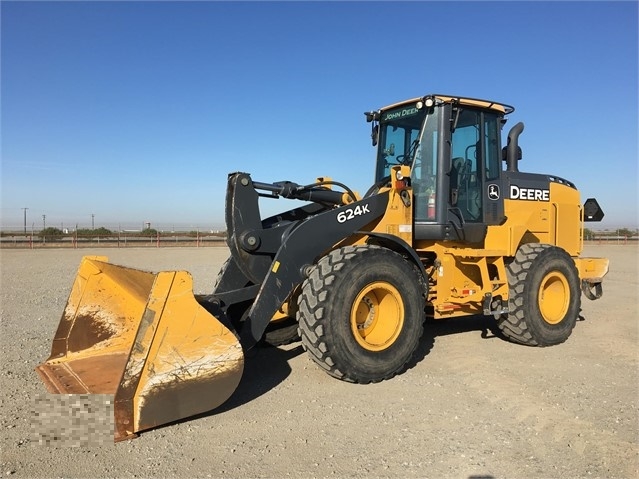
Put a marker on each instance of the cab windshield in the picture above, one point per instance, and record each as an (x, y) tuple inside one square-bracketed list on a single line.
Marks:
[(398, 138)]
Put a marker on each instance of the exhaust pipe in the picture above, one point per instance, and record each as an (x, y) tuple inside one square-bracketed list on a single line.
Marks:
[(513, 151)]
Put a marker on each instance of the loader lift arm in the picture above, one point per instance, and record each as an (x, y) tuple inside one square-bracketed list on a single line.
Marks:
[(270, 257)]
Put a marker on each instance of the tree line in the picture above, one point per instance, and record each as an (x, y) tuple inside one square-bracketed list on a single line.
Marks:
[(628, 233)]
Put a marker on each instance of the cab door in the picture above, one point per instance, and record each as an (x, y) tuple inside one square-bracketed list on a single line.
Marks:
[(475, 172), (465, 172)]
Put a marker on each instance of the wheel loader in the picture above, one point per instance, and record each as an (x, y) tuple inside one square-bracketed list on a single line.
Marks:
[(450, 227)]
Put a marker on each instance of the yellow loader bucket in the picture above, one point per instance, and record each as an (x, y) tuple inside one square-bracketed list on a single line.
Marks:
[(144, 338)]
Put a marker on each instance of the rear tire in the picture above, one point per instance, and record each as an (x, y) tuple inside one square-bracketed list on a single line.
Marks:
[(361, 313), (545, 298), (281, 333)]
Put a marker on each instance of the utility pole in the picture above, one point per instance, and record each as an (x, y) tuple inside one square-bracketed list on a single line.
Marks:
[(92, 223), (44, 224), (25, 220)]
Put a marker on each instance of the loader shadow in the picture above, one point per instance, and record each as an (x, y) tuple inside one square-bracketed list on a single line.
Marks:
[(486, 325), (434, 328), (267, 367), (264, 368)]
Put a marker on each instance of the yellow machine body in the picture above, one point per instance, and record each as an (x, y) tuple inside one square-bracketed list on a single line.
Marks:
[(474, 272), (464, 275)]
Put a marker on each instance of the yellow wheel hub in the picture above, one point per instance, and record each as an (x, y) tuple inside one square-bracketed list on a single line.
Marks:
[(377, 316), (554, 297)]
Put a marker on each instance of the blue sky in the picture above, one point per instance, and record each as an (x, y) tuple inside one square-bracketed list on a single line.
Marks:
[(137, 111)]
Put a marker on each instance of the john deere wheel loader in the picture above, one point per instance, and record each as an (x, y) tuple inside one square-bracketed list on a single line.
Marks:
[(444, 231)]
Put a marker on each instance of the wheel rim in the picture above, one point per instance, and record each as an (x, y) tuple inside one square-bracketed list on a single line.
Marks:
[(377, 316), (554, 297)]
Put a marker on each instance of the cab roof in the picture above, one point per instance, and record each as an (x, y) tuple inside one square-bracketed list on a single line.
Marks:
[(476, 102)]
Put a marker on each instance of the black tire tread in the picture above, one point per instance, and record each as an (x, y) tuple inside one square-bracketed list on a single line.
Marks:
[(282, 335), (312, 304), (514, 324)]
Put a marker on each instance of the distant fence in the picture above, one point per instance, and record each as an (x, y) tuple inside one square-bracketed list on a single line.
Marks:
[(164, 240), (118, 240), (614, 240)]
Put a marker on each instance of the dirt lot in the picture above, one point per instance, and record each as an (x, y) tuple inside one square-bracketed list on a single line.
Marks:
[(472, 405)]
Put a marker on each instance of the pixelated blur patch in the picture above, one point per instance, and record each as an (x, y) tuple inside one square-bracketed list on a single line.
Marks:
[(72, 420)]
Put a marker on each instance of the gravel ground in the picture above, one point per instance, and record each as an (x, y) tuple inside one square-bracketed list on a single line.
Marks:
[(472, 404)]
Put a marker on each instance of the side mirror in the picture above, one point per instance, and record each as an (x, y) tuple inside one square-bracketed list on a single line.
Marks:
[(375, 134)]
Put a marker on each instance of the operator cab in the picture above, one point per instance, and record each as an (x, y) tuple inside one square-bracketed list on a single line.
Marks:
[(453, 147)]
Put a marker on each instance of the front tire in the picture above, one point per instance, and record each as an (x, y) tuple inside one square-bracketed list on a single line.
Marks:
[(545, 298), (361, 313)]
